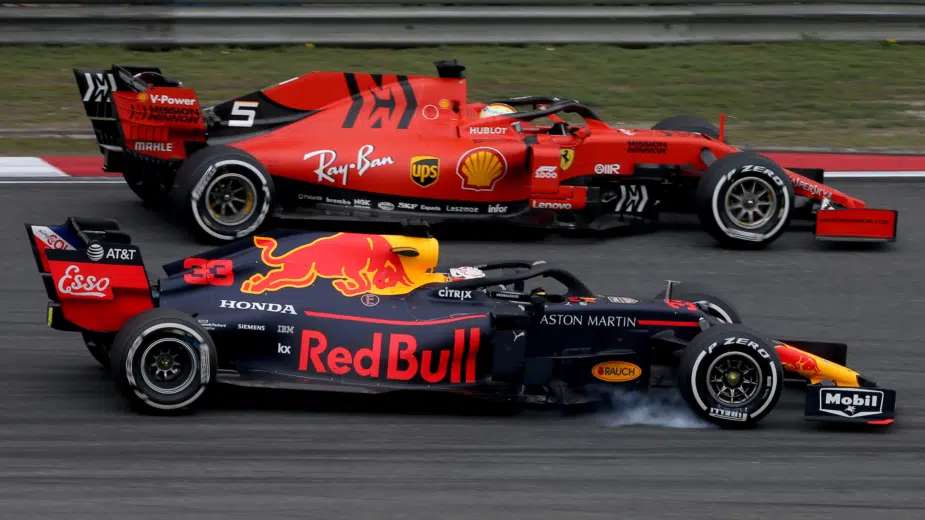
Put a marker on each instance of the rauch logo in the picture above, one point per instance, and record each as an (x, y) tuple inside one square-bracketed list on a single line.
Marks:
[(616, 371)]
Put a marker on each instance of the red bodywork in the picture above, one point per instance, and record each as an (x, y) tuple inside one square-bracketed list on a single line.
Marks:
[(92, 287), (420, 137)]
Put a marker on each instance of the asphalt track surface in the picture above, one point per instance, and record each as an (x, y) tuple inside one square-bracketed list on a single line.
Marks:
[(70, 449)]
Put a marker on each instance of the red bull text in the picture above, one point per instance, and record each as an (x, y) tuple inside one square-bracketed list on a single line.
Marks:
[(403, 359)]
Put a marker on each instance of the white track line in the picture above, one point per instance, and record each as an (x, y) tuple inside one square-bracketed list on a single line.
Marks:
[(68, 180), (17, 167), (26, 177), (875, 175)]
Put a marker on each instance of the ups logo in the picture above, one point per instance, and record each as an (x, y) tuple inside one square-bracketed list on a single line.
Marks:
[(425, 170)]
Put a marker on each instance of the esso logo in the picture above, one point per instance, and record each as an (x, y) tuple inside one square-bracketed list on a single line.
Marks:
[(55, 242), (546, 172), (76, 284), (606, 169)]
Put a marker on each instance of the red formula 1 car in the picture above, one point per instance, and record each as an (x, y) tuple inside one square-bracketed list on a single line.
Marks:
[(336, 145)]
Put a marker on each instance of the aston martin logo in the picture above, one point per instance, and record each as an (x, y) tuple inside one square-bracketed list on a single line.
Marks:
[(481, 168), (568, 156)]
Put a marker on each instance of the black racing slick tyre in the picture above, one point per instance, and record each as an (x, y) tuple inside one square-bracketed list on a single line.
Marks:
[(98, 347), (225, 193), (744, 200), (688, 124), (731, 376), (163, 361), (718, 307), (151, 186)]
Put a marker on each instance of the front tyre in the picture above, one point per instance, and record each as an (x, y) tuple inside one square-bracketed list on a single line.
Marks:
[(744, 200), (688, 124), (163, 361), (716, 306), (731, 376), (225, 192)]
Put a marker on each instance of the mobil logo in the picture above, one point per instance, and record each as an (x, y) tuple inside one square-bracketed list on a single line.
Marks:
[(356, 263), (394, 357)]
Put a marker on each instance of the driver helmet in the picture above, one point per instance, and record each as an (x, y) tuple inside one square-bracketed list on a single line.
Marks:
[(496, 109)]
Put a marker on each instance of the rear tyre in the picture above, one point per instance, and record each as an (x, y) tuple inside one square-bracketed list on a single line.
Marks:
[(163, 361), (98, 347), (744, 200), (151, 187), (716, 306), (225, 193), (731, 376), (688, 124)]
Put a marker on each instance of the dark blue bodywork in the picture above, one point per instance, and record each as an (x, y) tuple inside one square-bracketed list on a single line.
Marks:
[(482, 337)]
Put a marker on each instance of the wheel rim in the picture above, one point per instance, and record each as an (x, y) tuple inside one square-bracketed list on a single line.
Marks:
[(750, 202), (734, 379), (168, 365), (230, 198), (716, 311)]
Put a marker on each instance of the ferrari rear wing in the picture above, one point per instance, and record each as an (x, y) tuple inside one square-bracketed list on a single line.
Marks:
[(93, 276), (136, 110)]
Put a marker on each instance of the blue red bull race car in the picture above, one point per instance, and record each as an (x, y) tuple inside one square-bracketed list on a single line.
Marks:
[(369, 313)]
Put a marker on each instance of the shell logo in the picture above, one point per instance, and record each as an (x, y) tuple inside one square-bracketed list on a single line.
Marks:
[(616, 371), (142, 96), (481, 168)]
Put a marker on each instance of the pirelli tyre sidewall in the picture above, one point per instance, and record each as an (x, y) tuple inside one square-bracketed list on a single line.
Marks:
[(187, 350), (215, 168), (717, 306), (746, 362), (724, 180)]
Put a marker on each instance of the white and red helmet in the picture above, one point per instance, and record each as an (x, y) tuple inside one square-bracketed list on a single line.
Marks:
[(496, 109)]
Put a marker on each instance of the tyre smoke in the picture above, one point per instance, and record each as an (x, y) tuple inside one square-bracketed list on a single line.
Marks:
[(667, 411)]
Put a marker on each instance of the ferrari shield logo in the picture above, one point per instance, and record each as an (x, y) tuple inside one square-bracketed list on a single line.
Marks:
[(568, 156)]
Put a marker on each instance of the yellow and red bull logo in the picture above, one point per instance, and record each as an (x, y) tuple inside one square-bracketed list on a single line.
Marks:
[(616, 371), (356, 263), (814, 367), (481, 168)]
